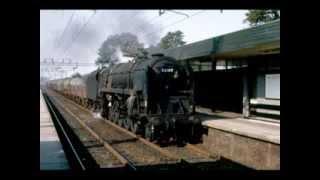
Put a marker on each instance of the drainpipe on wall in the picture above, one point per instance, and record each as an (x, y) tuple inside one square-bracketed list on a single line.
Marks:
[(214, 63)]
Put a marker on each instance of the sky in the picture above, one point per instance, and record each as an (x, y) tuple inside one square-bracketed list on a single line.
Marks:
[(76, 35)]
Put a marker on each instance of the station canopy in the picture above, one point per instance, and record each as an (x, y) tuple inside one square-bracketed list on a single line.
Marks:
[(258, 40)]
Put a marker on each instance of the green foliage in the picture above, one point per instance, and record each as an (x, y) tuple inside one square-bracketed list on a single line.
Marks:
[(172, 40), (76, 75), (127, 42), (257, 17)]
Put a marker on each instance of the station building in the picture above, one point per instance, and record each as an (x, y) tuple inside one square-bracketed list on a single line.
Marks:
[(237, 87), (236, 72)]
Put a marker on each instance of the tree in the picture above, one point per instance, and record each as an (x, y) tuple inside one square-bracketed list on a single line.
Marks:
[(256, 17), (172, 40), (76, 75), (125, 42)]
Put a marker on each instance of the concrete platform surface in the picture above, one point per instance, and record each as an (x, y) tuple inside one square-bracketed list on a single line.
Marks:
[(247, 127), (52, 156)]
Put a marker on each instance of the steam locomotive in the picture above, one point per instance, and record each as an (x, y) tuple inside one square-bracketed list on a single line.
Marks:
[(151, 96)]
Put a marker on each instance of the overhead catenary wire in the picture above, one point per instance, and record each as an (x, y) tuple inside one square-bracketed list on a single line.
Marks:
[(136, 14), (64, 62), (79, 32), (52, 66), (138, 27), (107, 27), (177, 22), (149, 22), (73, 39), (141, 25), (65, 29), (177, 12), (169, 17), (148, 34), (69, 65), (88, 20), (155, 17)]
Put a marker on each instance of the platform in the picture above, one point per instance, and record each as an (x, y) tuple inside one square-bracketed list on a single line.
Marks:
[(52, 156), (250, 142)]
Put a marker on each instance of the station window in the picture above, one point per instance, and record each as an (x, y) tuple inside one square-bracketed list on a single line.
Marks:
[(231, 64), (201, 66), (272, 86), (221, 65)]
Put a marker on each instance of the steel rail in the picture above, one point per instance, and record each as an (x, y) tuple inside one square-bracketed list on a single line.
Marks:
[(122, 159), (144, 141)]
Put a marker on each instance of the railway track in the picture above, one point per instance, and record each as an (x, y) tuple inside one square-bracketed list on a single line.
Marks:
[(77, 157), (103, 158), (130, 149)]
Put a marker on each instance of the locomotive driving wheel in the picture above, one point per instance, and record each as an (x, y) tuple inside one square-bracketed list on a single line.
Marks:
[(105, 110), (115, 112), (136, 127), (127, 123), (110, 114)]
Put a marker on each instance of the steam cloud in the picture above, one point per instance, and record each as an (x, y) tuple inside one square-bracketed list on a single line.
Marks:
[(108, 22), (119, 55), (137, 24)]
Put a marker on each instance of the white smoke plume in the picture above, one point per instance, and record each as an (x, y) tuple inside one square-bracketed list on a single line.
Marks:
[(136, 23), (83, 46), (121, 57), (108, 22)]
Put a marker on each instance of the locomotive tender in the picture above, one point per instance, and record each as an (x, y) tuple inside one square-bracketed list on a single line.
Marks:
[(152, 96)]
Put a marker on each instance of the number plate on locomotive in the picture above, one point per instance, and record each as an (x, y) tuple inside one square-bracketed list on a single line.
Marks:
[(166, 69)]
